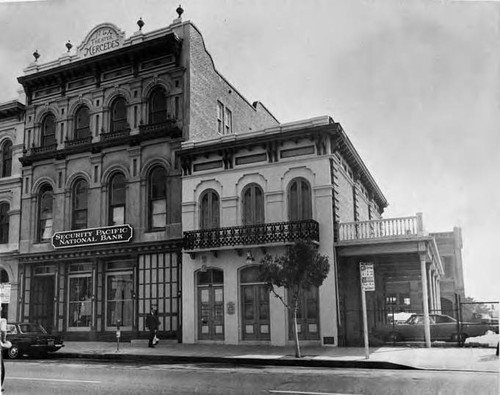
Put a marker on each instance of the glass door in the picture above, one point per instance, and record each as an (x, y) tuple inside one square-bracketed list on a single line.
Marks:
[(210, 305), (119, 300)]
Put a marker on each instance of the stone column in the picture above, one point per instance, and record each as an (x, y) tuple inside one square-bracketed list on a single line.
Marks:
[(425, 301)]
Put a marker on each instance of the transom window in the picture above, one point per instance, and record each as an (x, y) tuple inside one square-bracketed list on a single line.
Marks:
[(117, 198), (299, 200), (49, 130), (45, 213), (119, 115), (82, 123), (80, 204), (158, 106)]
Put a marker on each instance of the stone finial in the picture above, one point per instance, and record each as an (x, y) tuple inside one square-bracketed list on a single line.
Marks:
[(140, 23), (179, 10), (69, 45), (36, 55)]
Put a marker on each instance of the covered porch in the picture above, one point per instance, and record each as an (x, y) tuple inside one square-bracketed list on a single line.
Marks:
[(407, 270)]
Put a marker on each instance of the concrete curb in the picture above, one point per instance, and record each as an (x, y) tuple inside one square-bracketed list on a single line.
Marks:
[(285, 361)]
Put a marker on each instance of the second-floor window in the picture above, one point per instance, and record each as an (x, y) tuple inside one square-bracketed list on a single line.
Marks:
[(4, 223), (158, 106), (49, 130), (45, 210), (6, 158), (253, 205), (80, 204), (299, 200), (118, 115), (82, 123), (209, 210), (228, 121), (220, 117), (158, 198), (117, 198)]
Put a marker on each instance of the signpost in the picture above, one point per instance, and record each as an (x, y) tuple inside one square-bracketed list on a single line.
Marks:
[(367, 276)]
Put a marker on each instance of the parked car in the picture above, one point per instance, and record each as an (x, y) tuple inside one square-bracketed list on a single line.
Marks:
[(443, 327), (31, 339)]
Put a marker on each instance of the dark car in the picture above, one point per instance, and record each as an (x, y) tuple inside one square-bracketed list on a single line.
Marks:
[(443, 327), (31, 339)]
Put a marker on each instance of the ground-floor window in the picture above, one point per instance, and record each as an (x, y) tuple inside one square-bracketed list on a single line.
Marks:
[(119, 300), (210, 284), (307, 316), (254, 306), (80, 290)]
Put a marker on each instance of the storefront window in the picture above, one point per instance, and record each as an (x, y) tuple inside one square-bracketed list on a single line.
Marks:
[(80, 301), (119, 299)]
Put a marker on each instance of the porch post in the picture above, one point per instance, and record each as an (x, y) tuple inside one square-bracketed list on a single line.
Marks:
[(438, 287), (430, 280), (425, 300)]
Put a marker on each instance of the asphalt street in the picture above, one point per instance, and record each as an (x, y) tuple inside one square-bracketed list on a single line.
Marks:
[(30, 376)]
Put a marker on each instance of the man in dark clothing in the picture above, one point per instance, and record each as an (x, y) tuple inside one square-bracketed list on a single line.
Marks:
[(152, 323)]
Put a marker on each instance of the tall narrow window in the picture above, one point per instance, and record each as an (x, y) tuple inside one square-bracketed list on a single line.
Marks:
[(158, 106), (209, 210), (253, 205), (45, 201), (228, 122), (80, 204), (119, 115), (82, 123), (117, 199), (158, 198), (49, 131), (220, 117), (4, 223), (299, 200), (7, 158)]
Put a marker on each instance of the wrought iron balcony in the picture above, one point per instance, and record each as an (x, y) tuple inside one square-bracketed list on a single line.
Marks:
[(262, 234)]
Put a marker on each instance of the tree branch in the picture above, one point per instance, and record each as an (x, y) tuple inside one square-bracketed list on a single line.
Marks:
[(280, 298)]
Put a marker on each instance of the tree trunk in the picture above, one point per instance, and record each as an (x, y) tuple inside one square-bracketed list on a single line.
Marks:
[(295, 331)]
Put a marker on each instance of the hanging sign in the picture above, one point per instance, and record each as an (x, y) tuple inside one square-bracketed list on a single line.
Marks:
[(367, 276), (5, 292), (93, 236)]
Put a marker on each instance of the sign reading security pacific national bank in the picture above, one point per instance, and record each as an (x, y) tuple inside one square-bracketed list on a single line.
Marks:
[(94, 236)]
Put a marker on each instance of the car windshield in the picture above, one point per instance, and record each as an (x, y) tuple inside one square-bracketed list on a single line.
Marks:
[(418, 320), (31, 328)]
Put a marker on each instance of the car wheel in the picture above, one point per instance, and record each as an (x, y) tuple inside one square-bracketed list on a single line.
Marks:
[(13, 352), (456, 338)]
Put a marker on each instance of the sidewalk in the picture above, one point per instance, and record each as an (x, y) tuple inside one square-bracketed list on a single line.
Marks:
[(458, 359)]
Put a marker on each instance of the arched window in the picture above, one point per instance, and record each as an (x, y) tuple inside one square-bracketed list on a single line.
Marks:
[(299, 200), (117, 198), (82, 123), (158, 198), (49, 131), (118, 115), (4, 223), (209, 210), (253, 205), (7, 158), (158, 106), (80, 204), (45, 201)]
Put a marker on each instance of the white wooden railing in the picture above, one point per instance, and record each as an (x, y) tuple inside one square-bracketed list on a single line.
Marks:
[(384, 228)]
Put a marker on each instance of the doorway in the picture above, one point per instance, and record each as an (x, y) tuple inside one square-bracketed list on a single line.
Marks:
[(210, 285), (42, 301)]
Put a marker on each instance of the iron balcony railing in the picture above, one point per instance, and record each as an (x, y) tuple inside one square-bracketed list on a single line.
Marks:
[(161, 129), (261, 234), (78, 142), (383, 228), (115, 135), (43, 149)]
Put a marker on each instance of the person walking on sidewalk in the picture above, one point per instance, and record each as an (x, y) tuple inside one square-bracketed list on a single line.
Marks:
[(152, 323), (4, 343)]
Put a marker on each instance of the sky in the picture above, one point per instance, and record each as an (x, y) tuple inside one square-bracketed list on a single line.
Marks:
[(415, 85)]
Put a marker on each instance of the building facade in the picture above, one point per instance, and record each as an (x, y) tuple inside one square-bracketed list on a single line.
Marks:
[(101, 232), (11, 148)]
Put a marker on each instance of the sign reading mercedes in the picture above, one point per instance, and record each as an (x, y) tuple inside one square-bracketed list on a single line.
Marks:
[(93, 236)]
